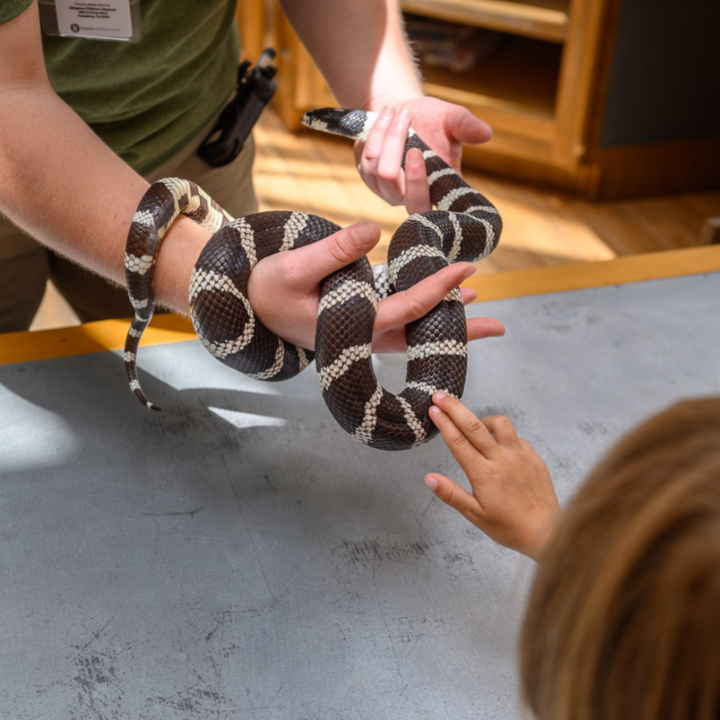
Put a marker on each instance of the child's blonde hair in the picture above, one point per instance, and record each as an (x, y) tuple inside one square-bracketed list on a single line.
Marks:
[(624, 618)]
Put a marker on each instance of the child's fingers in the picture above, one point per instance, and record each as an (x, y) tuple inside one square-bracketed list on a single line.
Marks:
[(461, 448), (454, 496), (501, 428), (472, 428)]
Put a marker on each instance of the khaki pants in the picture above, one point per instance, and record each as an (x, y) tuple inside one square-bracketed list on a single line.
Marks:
[(26, 266)]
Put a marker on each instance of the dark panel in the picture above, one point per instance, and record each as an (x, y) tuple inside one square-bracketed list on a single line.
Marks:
[(665, 79)]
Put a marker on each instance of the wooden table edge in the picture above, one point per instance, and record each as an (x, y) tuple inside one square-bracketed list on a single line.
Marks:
[(579, 276), (167, 328)]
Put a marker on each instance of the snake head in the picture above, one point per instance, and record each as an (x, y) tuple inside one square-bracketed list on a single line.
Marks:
[(355, 124)]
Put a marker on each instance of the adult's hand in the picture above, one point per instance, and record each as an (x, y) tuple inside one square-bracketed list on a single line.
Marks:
[(443, 126), (284, 291), (513, 500)]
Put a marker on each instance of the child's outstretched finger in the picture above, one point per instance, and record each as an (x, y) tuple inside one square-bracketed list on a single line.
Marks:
[(467, 423), (453, 495), (502, 429), (461, 448)]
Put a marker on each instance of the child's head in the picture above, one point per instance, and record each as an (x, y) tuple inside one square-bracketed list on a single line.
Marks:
[(624, 618)]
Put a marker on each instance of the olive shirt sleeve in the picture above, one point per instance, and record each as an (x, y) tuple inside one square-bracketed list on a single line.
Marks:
[(10, 9)]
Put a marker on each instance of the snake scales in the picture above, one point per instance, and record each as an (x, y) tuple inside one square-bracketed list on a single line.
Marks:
[(464, 227)]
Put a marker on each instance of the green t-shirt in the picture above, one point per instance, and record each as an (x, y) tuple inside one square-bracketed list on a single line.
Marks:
[(148, 100)]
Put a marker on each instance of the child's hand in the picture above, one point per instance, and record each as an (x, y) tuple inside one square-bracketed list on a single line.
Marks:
[(513, 500)]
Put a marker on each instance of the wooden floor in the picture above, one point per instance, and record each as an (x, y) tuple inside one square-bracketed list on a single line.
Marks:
[(315, 173)]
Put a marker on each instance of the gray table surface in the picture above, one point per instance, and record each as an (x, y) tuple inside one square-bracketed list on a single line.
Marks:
[(239, 556)]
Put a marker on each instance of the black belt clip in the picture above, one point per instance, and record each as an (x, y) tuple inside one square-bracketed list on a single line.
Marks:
[(255, 89)]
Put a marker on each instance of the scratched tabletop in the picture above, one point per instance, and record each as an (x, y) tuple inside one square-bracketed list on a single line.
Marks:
[(239, 556)]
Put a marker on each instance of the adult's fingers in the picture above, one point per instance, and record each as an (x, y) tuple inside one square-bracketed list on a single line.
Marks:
[(404, 307), (466, 423), (390, 174), (468, 295), (502, 429), (372, 149), (455, 496), (477, 329), (417, 190), (307, 266)]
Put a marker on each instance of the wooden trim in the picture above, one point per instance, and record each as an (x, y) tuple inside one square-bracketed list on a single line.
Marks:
[(518, 82), (605, 51), (535, 18), (506, 148), (710, 233), (681, 166), (579, 276), (89, 338), (110, 334), (576, 83), (510, 157), (251, 21)]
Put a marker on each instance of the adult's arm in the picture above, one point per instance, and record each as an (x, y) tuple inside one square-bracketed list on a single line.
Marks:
[(361, 50), (359, 47), (60, 183)]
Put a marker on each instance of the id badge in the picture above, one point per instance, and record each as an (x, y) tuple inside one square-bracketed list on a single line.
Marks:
[(95, 20)]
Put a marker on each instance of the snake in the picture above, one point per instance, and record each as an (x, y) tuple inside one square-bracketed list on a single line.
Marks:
[(464, 226)]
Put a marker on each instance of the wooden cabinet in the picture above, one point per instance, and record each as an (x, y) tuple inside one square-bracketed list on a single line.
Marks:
[(534, 90), (543, 90)]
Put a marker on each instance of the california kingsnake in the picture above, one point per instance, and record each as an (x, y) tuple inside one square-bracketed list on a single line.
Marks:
[(464, 227)]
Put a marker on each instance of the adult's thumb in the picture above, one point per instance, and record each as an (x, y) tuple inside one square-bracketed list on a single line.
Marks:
[(467, 128), (339, 249)]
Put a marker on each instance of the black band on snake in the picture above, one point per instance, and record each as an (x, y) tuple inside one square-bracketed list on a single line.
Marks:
[(464, 227)]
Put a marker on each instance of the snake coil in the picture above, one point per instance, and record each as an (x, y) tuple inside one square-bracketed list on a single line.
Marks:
[(463, 227)]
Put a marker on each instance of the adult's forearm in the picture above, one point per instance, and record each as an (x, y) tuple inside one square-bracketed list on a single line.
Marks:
[(359, 47), (60, 183)]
